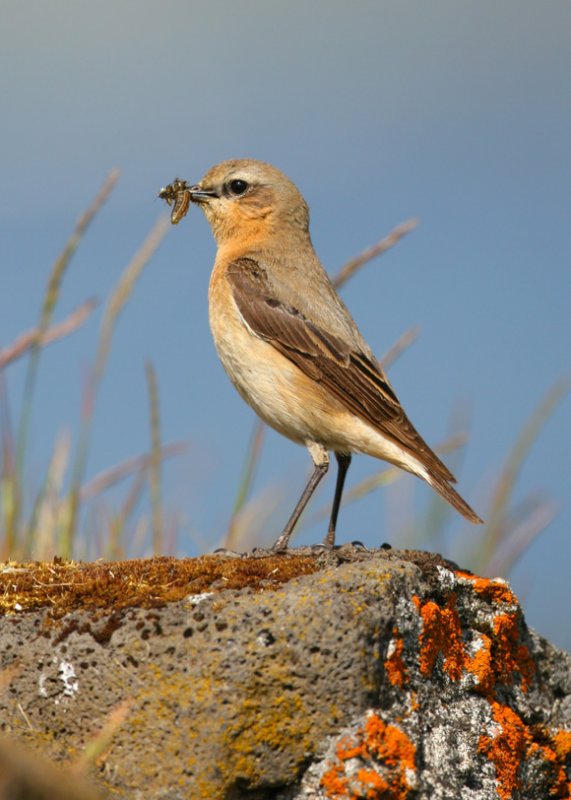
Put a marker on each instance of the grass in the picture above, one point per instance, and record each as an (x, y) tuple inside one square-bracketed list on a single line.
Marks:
[(67, 504), (51, 524)]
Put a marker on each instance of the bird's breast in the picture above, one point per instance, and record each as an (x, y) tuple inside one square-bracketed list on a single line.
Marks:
[(278, 391)]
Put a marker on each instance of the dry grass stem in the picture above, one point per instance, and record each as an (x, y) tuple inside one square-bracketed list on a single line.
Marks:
[(251, 524), (155, 464), (26, 774), (101, 741), (114, 308), (60, 266), (125, 469), (497, 531), (248, 472), (27, 340), (350, 268), (13, 482), (49, 514), (402, 343), (520, 537), (124, 290)]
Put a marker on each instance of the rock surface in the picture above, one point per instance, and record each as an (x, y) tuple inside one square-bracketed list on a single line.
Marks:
[(385, 675)]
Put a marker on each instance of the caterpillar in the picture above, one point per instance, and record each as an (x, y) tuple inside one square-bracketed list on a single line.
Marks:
[(177, 195)]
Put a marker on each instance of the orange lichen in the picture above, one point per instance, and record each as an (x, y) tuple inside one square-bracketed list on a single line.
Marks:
[(336, 783), (509, 655), (481, 664), (394, 664), (557, 752), (562, 744), (442, 634), (389, 743), (349, 748), (495, 591), (501, 657), (514, 742), (506, 749), (373, 785), (387, 761), (556, 758)]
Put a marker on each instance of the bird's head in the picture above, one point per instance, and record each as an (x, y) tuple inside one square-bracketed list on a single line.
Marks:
[(249, 198)]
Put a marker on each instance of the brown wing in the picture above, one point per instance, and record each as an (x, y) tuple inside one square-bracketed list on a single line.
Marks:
[(353, 378)]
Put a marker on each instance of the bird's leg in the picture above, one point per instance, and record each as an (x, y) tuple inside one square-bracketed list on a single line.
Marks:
[(343, 462), (320, 458)]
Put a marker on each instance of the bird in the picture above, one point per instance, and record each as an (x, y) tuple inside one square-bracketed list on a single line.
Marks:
[(289, 343)]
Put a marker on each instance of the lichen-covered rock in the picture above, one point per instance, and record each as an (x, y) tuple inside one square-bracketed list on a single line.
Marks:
[(391, 676), (479, 707)]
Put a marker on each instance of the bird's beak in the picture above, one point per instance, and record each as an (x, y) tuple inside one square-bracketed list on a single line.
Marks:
[(199, 195)]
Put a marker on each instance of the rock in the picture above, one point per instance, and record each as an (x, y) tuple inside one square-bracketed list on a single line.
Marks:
[(355, 674)]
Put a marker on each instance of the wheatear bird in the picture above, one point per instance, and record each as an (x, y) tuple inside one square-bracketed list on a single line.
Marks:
[(288, 343)]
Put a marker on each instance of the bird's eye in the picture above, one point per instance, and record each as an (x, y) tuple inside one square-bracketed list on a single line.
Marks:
[(238, 186)]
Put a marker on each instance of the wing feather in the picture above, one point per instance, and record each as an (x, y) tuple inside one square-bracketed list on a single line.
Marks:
[(352, 377)]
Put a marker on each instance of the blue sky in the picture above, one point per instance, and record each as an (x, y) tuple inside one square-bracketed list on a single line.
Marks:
[(456, 113)]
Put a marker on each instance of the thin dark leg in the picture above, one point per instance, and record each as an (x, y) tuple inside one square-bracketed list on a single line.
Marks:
[(316, 476), (343, 462)]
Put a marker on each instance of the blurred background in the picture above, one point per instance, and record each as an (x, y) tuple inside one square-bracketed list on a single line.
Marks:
[(456, 114)]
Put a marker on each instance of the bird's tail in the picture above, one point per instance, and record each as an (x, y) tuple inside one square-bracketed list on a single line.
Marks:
[(451, 496)]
